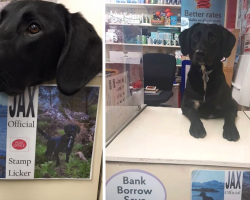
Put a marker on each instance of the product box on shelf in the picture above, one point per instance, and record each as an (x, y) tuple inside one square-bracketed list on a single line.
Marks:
[(109, 37), (173, 20), (114, 35), (129, 1), (121, 1), (165, 38), (129, 57)]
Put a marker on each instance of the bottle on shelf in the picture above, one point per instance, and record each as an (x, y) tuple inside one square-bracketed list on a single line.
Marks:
[(179, 19)]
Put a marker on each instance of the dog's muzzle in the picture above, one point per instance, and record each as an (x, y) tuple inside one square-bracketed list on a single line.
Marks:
[(200, 56)]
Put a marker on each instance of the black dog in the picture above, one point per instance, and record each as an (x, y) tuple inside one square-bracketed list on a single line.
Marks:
[(205, 197), (64, 143), (207, 94), (40, 41)]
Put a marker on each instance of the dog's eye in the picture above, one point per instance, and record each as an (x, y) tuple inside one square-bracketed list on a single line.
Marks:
[(34, 29), (213, 39), (196, 38)]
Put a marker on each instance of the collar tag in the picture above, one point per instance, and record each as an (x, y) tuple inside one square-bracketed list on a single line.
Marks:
[(206, 78)]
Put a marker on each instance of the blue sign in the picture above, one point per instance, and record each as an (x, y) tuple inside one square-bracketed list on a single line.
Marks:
[(202, 11)]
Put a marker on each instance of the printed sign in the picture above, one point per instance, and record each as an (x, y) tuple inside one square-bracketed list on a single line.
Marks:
[(233, 182), (220, 185), (135, 185), (45, 134), (202, 11)]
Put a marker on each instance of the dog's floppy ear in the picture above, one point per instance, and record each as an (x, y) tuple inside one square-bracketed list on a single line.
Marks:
[(228, 42), (184, 39), (66, 128), (81, 57)]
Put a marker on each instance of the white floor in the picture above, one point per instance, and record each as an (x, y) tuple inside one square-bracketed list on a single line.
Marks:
[(161, 135)]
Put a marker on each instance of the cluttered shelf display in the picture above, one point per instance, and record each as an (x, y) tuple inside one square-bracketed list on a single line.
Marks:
[(159, 22), (147, 2), (158, 18), (167, 23), (164, 37), (165, 17), (143, 45)]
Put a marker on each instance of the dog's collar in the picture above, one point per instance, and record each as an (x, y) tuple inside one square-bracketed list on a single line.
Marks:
[(70, 140), (205, 77), (205, 73), (69, 137)]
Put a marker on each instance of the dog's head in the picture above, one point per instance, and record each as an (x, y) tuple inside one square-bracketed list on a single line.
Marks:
[(203, 194), (40, 41), (206, 43), (71, 130)]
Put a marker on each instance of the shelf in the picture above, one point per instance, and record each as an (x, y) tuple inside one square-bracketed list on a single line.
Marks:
[(145, 25), (143, 45), (140, 5), (109, 62)]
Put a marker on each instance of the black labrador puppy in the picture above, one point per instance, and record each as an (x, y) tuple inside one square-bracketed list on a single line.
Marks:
[(205, 197), (64, 143), (41, 41), (207, 94)]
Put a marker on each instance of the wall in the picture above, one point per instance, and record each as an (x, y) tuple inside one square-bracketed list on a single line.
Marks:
[(66, 189), (92, 10)]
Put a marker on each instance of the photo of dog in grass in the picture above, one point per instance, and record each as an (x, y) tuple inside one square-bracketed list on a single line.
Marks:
[(65, 133)]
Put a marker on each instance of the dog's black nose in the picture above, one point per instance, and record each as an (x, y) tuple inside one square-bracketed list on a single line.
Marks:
[(201, 54)]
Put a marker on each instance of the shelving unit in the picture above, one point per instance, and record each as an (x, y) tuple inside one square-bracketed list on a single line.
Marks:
[(144, 45), (114, 9), (144, 25), (140, 5), (108, 62), (143, 8)]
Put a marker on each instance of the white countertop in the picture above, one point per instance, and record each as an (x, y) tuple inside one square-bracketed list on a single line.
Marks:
[(161, 135)]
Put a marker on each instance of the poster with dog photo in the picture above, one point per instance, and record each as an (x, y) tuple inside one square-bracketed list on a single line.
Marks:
[(208, 185), (65, 133), (220, 185)]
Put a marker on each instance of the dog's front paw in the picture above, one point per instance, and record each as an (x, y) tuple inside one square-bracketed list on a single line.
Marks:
[(231, 133), (197, 130)]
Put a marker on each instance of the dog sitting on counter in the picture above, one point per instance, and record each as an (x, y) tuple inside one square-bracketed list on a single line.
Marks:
[(41, 41), (207, 94)]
